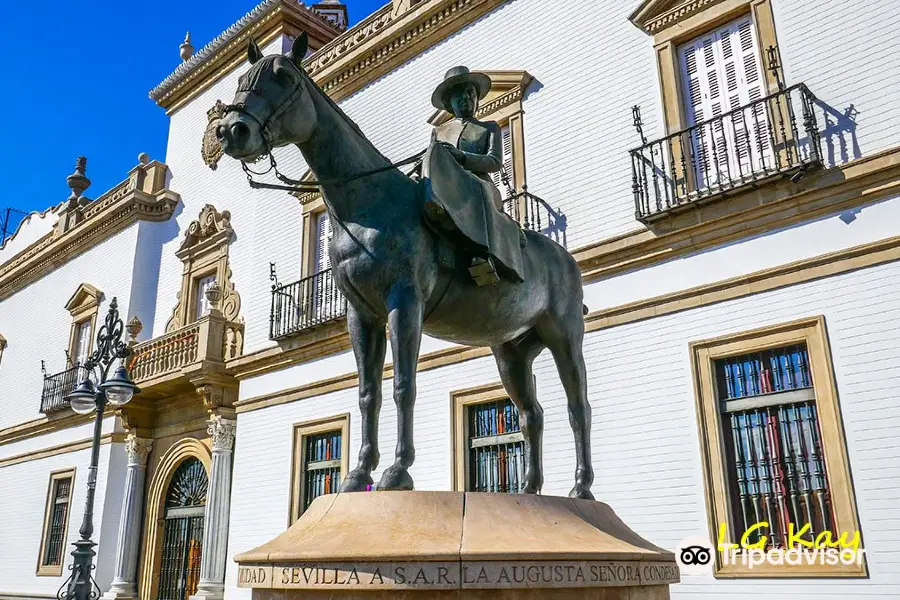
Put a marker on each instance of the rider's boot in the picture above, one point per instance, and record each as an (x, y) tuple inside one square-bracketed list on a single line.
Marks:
[(483, 271)]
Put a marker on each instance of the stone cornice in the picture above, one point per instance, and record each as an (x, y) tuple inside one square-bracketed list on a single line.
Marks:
[(264, 23), (655, 15), (123, 205), (381, 43), (372, 48)]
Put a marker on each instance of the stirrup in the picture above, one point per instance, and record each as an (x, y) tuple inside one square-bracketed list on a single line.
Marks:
[(483, 271)]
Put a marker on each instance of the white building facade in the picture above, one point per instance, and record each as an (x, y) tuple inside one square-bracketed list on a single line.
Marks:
[(738, 247)]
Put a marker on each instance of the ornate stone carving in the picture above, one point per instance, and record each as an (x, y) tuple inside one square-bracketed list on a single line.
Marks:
[(234, 342), (210, 395), (205, 248), (212, 149), (137, 449), (210, 222), (222, 431)]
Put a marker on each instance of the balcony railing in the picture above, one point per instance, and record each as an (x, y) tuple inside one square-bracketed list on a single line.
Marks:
[(774, 136), (535, 214), (60, 385), (306, 303), (166, 354), (210, 339)]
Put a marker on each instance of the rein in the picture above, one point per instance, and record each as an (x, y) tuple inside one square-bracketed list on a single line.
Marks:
[(296, 185)]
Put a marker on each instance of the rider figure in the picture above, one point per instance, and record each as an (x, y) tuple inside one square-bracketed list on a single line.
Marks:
[(476, 145)]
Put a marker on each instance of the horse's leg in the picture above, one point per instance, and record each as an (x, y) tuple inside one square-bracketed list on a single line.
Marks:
[(564, 337), (514, 361), (369, 344), (405, 323)]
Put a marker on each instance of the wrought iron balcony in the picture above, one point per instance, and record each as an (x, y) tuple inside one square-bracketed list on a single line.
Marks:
[(775, 136), (306, 303), (535, 214), (58, 386)]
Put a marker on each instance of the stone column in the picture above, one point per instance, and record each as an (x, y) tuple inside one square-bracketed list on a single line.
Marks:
[(218, 506), (124, 584)]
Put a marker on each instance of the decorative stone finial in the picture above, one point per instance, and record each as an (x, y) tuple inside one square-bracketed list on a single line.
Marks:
[(77, 181), (214, 294), (143, 158), (134, 328), (187, 50)]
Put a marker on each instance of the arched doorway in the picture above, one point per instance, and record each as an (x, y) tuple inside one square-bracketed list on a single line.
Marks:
[(182, 536)]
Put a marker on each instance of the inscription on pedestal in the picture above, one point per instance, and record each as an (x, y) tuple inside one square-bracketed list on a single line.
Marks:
[(455, 575)]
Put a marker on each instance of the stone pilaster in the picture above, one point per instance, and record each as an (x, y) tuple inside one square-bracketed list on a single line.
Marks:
[(218, 506), (124, 584)]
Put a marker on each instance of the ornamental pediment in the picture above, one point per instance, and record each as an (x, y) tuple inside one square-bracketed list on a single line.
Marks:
[(655, 15), (86, 297)]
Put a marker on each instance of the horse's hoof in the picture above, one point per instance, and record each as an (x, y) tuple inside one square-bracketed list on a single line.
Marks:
[(582, 492), (395, 478), (357, 481)]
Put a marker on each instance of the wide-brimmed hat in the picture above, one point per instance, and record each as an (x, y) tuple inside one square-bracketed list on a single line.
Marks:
[(455, 77)]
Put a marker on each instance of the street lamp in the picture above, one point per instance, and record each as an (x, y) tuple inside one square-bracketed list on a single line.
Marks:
[(88, 396)]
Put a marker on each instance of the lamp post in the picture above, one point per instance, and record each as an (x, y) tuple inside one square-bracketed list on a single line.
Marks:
[(88, 396)]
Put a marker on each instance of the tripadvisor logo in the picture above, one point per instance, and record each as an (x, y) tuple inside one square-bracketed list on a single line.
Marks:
[(696, 555)]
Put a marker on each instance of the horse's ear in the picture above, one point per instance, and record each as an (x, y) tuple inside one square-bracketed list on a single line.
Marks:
[(253, 52), (298, 48)]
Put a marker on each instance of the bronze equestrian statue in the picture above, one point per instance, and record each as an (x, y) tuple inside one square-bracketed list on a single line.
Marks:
[(398, 270)]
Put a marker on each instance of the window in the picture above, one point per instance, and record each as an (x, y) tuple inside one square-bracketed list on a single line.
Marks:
[(489, 448), (508, 166), (204, 258), (323, 240), (83, 306), (672, 26), (82, 342), (496, 448), (202, 305), (721, 72), (56, 523), (772, 435), (320, 461)]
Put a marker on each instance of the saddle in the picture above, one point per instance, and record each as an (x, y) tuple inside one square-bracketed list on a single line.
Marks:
[(463, 208)]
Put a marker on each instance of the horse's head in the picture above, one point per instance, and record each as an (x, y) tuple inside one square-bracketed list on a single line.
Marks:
[(272, 106)]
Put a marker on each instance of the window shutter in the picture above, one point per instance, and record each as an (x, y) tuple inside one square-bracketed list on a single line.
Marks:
[(83, 342), (507, 160), (721, 71), (323, 239)]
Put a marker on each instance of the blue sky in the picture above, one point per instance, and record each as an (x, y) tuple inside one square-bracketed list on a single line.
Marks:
[(76, 83)]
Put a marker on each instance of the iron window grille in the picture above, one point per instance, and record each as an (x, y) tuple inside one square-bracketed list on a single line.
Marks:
[(774, 444), (182, 548), (321, 465), (496, 448), (60, 500), (777, 135)]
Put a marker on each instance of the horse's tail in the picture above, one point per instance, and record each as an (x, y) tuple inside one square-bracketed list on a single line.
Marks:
[(584, 309)]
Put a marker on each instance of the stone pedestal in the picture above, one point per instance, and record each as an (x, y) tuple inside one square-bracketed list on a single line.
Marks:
[(455, 545)]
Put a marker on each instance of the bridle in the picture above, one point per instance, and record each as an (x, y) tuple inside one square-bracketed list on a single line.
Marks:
[(289, 184)]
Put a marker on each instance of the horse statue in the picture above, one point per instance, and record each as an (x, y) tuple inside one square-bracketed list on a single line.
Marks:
[(393, 269)]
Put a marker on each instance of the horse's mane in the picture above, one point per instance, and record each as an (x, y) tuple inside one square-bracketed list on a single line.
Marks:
[(249, 80), (312, 84)]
